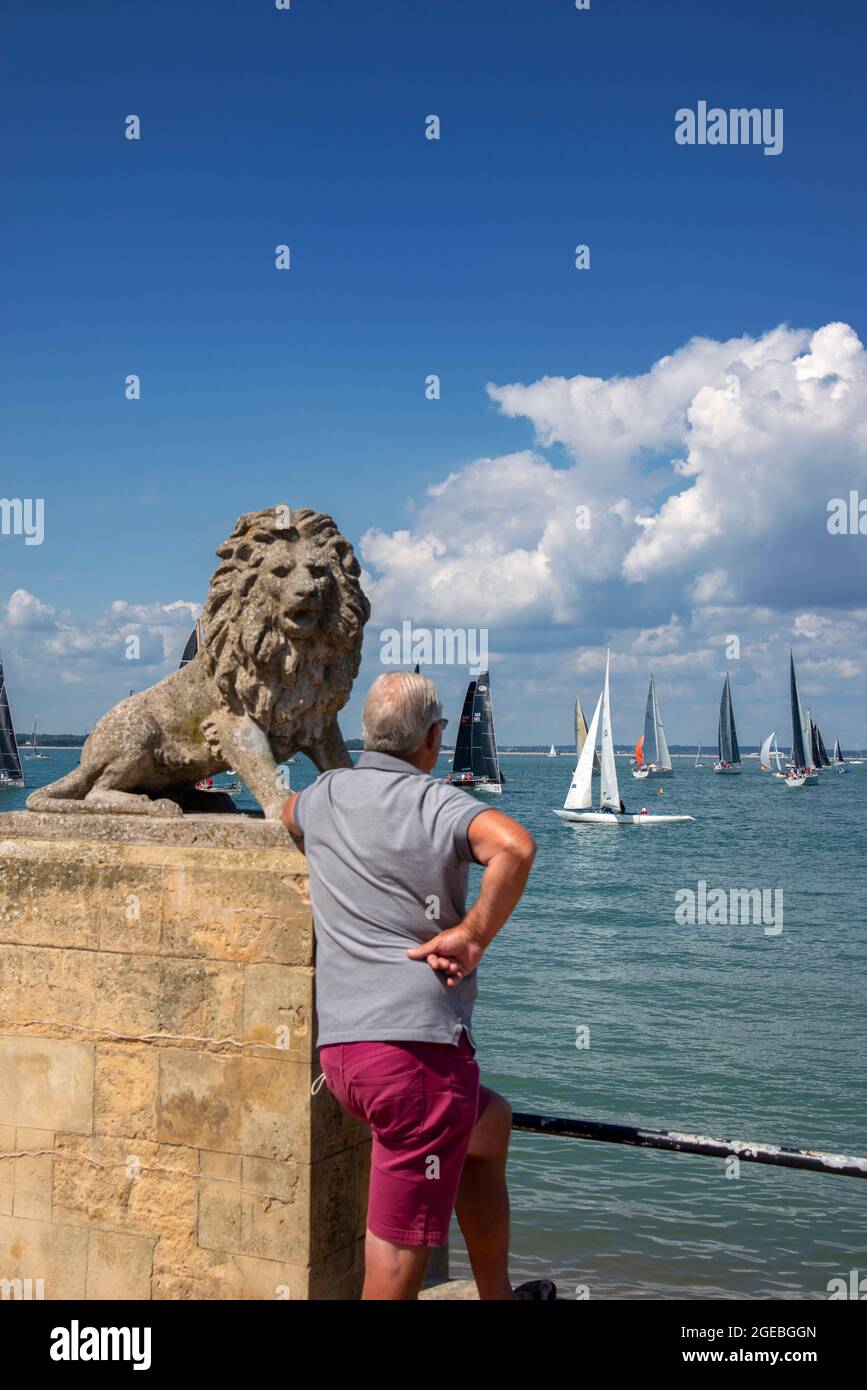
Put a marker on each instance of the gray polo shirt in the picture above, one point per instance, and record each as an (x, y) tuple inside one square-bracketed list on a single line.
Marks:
[(388, 857)]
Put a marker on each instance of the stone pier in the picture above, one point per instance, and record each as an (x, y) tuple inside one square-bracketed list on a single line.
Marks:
[(160, 1132)]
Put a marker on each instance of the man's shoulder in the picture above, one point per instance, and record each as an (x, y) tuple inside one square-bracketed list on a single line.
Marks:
[(448, 802), (309, 796), (446, 791)]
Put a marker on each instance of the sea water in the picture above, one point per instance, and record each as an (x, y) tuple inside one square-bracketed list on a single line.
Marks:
[(594, 1001)]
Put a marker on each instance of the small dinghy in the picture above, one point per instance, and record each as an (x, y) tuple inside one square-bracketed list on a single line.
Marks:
[(770, 757), (578, 807)]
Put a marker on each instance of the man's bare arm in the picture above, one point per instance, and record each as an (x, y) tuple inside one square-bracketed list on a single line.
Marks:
[(507, 851), (287, 816)]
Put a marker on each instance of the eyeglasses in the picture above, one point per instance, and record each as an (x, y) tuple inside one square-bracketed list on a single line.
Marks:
[(442, 723)]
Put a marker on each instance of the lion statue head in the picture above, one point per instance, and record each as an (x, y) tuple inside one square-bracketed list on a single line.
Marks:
[(283, 622)]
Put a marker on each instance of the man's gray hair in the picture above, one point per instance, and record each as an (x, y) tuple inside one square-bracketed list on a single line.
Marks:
[(399, 709)]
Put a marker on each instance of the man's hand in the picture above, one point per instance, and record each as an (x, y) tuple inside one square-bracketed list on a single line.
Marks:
[(454, 952)]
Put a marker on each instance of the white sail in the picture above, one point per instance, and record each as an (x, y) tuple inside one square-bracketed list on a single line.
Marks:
[(552, 751), (807, 736), (661, 742), (579, 796), (610, 791), (581, 732), (765, 755)]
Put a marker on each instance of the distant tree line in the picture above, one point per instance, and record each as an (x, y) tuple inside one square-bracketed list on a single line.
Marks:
[(52, 740)]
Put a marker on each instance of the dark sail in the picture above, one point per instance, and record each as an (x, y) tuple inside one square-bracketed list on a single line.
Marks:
[(838, 752), (462, 760), (799, 752), (10, 762), (824, 760), (814, 738), (727, 738), (484, 746), (723, 738), (192, 647), (733, 733)]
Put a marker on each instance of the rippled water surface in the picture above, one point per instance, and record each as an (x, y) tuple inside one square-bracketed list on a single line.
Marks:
[(722, 1029)]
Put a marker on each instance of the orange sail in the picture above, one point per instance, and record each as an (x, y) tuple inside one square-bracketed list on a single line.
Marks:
[(639, 752)]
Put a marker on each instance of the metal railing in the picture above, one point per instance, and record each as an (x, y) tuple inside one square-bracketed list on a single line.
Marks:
[(779, 1155), (672, 1141)]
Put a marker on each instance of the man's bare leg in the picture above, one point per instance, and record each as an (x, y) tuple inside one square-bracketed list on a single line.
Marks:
[(482, 1206), (392, 1271)]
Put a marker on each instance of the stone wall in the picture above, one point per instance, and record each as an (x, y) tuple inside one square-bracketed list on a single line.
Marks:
[(159, 1137)]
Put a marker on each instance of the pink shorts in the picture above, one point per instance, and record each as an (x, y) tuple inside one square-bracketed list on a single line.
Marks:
[(421, 1101)]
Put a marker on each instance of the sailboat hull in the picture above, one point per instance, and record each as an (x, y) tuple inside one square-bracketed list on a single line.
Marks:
[(609, 818), (727, 771), (642, 773), (471, 784)]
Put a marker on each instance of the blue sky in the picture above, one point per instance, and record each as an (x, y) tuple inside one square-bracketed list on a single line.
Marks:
[(412, 257)]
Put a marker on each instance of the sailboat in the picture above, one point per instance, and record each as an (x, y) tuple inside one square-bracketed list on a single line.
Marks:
[(820, 752), (475, 762), (652, 758), (194, 641), (698, 761), (34, 745), (856, 762), (838, 760), (770, 755), (10, 759), (802, 772), (581, 733), (727, 738), (578, 805), (552, 752)]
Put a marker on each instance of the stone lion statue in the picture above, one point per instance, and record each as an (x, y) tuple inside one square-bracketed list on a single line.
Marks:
[(281, 644)]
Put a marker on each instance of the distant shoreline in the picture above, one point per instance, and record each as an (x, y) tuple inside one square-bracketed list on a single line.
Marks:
[(52, 747)]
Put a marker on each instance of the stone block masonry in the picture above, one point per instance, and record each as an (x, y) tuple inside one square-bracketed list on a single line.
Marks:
[(159, 1132)]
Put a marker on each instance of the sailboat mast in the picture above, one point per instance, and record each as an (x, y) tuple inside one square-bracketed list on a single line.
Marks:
[(610, 792)]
